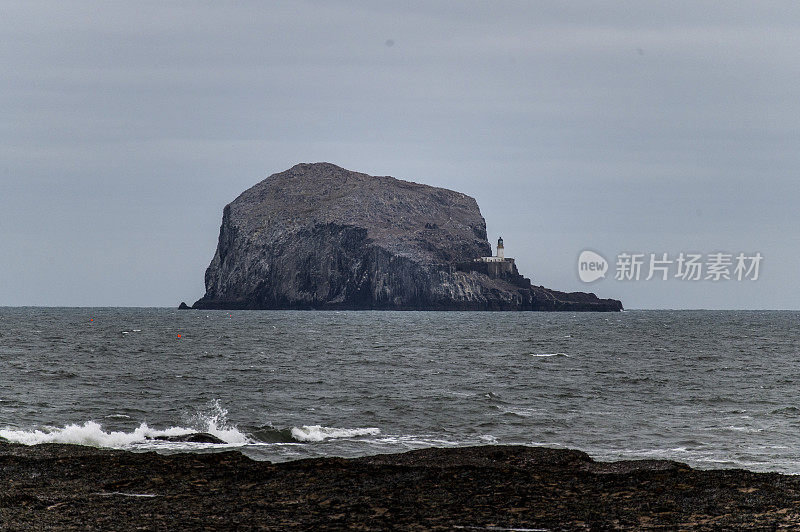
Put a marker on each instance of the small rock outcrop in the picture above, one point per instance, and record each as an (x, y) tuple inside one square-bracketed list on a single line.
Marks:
[(318, 236), (194, 437)]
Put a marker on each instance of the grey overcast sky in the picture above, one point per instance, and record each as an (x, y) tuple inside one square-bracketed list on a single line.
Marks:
[(614, 126)]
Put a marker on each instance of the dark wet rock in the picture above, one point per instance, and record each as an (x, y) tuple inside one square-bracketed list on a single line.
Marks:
[(195, 437), (183, 306), (502, 487), (318, 236)]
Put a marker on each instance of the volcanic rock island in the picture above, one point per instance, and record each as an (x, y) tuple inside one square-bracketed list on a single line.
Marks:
[(320, 237)]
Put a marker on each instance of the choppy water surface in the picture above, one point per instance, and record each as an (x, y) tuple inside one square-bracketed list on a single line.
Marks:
[(712, 389)]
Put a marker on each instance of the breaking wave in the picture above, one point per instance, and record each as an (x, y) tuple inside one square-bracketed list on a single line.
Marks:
[(215, 422), (92, 433)]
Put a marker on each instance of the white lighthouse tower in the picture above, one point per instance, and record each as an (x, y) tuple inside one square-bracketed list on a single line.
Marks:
[(498, 265)]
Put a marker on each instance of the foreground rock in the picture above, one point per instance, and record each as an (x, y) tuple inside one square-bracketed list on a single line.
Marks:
[(195, 437), (318, 236), (475, 488)]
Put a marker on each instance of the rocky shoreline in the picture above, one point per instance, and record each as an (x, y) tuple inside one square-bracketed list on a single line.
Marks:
[(61, 487)]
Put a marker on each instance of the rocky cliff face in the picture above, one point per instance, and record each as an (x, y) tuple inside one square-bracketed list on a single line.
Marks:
[(318, 236)]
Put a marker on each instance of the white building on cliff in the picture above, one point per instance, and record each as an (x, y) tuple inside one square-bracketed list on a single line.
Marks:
[(501, 254), (499, 263)]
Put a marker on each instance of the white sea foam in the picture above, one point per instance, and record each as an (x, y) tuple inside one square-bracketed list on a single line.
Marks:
[(216, 423), (743, 429), (320, 433), (91, 433), (415, 441), (523, 412)]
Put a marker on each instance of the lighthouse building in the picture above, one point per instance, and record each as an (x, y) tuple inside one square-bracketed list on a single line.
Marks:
[(495, 266), (501, 254), (498, 264)]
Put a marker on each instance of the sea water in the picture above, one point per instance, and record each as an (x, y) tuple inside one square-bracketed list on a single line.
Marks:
[(708, 388)]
